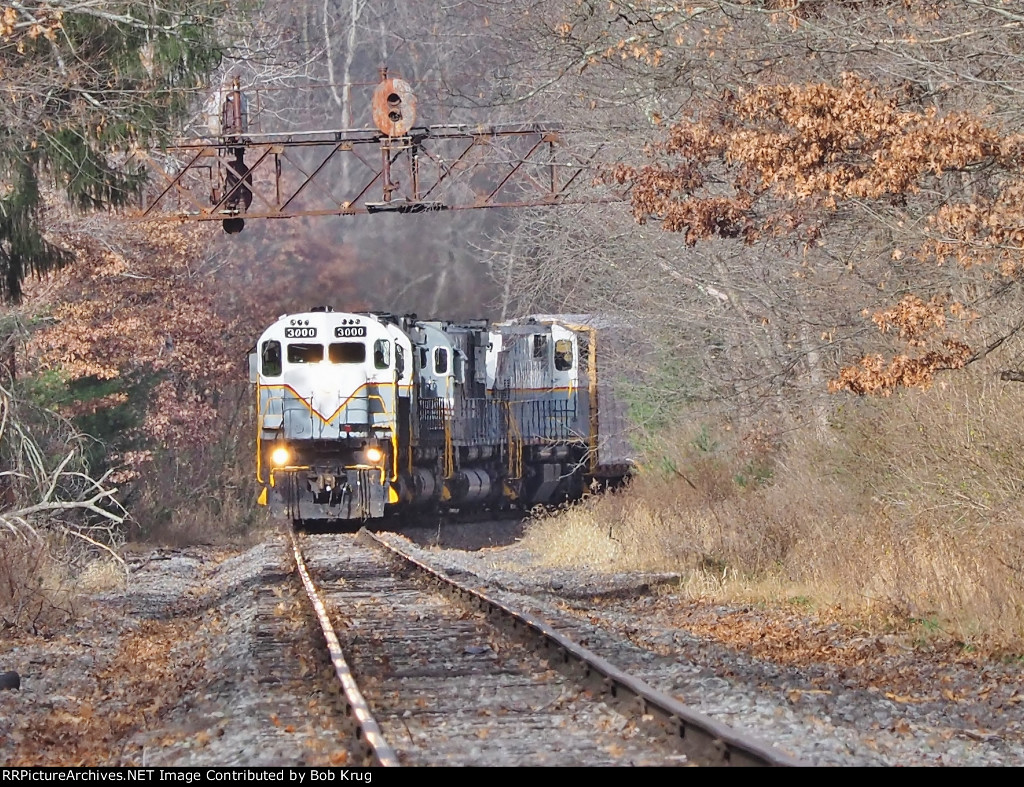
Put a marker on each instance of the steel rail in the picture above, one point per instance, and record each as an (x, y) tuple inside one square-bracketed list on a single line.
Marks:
[(357, 712), (703, 740)]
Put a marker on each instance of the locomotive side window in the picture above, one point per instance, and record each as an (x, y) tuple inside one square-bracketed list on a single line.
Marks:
[(305, 353), (270, 357), (382, 354), (440, 360), (400, 359), (540, 345), (347, 352), (563, 355)]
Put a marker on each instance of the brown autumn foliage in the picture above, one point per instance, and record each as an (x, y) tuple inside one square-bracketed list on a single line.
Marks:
[(44, 22), (843, 182), (918, 324), (779, 160), (165, 315), (141, 303), (151, 369)]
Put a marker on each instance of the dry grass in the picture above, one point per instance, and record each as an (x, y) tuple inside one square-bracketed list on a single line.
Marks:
[(175, 521), (102, 575), (38, 591), (910, 511)]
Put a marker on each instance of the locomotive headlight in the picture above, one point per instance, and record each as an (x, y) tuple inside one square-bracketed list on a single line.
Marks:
[(374, 455), (279, 456)]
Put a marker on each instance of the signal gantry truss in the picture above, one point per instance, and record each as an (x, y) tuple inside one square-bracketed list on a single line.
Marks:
[(397, 167)]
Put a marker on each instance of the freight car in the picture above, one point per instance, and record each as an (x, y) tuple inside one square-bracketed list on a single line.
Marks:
[(363, 415)]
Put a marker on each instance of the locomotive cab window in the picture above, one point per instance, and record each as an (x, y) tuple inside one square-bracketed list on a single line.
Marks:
[(270, 358), (347, 352), (563, 355), (540, 345), (440, 360), (382, 354), (305, 353)]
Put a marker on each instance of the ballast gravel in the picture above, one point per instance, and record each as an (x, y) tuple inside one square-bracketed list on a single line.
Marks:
[(204, 657), (824, 693)]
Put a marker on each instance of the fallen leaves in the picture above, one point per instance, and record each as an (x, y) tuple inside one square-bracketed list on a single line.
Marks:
[(339, 758), (903, 698), (134, 687)]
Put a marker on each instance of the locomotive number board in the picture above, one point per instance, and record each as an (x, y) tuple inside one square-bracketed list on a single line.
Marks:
[(349, 331)]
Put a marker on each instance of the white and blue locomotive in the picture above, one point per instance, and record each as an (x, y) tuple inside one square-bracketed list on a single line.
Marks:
[(363, 415)]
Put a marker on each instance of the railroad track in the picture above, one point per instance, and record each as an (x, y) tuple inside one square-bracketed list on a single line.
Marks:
[(434, 672)]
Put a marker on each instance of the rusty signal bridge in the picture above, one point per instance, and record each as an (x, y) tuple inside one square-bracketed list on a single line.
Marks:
[(405, 168)]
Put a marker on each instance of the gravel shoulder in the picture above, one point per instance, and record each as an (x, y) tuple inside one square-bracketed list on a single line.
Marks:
[(204, 659)]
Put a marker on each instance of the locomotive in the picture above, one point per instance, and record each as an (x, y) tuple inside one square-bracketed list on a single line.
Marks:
[(363, 415)]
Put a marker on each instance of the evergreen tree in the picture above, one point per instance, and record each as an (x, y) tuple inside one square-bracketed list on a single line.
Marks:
[(81, 84)]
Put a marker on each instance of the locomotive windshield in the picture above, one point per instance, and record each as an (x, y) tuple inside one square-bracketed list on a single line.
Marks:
[(305, 353), (347, 352), (338, 352)]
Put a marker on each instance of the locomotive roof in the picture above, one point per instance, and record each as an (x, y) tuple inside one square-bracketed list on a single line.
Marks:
[(588, 320)]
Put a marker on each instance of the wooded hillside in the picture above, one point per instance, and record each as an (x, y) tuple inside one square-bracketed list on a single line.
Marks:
[(824, 202)]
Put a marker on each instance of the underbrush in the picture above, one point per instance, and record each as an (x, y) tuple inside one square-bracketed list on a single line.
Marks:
[(205, 493), (908, 511), (43, 577), (185, 508), (68, 503), (59, 522)]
